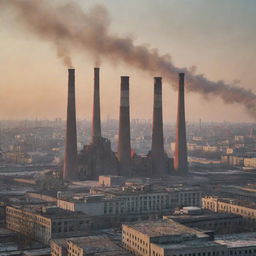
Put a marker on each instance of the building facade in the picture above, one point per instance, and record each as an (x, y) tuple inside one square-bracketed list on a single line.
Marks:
[(109, 202), (168, 238), (216, 204), (46, 224), (91, 245)]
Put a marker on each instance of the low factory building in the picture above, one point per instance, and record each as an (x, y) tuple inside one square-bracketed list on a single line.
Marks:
[(91, 245), (43, 223), (242, 244), (162, 238), (169, 238), (230, 205), (220, 223), (130, 203)]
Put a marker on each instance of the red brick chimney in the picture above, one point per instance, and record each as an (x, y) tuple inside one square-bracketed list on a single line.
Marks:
[(124, 140), (96, 122), (180, 158), (70, 171), (157, 150)]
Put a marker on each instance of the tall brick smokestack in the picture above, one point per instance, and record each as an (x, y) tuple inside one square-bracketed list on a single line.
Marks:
[(157, 150), (124, 140), (70, 171), (180, 158), (96, 122)]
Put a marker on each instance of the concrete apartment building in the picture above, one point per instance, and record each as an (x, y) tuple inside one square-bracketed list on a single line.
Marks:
[(42, 224), (140, 200), (168, 238), (229, 205)]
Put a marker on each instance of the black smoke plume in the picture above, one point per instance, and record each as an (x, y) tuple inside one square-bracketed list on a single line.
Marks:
[(68, 27)]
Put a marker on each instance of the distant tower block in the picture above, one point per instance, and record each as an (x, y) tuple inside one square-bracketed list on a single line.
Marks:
[(157, 151), (70, 171), (180, 158), (96, 122), (124, 140)]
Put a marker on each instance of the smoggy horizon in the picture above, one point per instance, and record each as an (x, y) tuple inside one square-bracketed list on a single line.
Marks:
[(34, 80)]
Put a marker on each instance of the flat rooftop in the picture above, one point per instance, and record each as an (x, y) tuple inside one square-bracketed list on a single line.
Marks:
[(143, 189), (52, 213), (37, 252), (62, 242), (164, 228), (202, 217), (237, 240), (189, 245), (98, 245)]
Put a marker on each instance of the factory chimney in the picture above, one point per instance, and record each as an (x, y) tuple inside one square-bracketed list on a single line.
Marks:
[(180, 158), (70, 171), (96, 123), (124, 142), (157, 151)]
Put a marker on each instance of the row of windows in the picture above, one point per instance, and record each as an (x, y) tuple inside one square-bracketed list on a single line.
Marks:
[(68, 226), (136, 209), (217, 253), (138, 249), (230, 208), (240, 252), (75, 251), (134, 238), (154, 198), (217, 224), (26, 215), (242, 211)]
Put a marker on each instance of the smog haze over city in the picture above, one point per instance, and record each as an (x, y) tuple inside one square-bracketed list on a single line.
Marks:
[(127, 128)]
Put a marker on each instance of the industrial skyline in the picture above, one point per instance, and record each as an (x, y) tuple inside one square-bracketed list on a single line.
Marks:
[(127, 128), (97, 158)]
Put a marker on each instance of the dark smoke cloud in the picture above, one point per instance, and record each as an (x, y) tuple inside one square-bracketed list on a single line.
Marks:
[(79, 30), (64, 54)]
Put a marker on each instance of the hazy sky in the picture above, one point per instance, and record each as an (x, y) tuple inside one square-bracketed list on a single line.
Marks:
[(218, 37)]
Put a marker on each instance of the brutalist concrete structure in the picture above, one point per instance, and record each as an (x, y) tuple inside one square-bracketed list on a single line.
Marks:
[(70, 171), (97, 158), (180, 158), (124, 139)]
